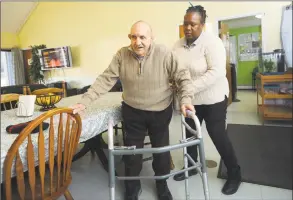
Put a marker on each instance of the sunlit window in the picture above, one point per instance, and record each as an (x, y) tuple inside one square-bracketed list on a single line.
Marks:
[(6, 68)]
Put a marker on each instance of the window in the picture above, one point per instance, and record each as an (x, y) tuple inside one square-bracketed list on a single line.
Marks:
[(7, 70)]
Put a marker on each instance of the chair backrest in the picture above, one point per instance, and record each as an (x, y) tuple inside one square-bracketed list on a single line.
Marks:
[(15, 89), (8, 101), (29, 88), (255, 70), (66, 140), (48, 90)]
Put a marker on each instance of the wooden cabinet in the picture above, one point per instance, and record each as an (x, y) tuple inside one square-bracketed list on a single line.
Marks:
[(274, 96), (224, 35), (181, 31), (27, 57)]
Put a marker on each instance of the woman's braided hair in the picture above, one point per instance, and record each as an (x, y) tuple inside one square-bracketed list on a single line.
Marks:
[(200, 10)]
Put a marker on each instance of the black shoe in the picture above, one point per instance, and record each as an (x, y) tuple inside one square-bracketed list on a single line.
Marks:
[(233, 181), (132, 191), (181, 176), (163, 190)]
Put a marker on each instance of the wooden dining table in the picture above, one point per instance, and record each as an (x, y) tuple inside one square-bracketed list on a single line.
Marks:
[(94, 121)]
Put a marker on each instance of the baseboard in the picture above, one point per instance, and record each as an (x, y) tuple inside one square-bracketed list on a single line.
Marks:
[(244, 87)]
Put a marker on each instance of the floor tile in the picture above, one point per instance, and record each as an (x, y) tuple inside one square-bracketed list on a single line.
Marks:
[(246, 191), (272, 193)]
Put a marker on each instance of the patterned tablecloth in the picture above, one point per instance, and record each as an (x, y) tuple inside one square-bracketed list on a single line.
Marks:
[(94, 121)]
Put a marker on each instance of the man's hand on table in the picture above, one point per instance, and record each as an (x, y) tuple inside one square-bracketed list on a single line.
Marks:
[(78, 109)]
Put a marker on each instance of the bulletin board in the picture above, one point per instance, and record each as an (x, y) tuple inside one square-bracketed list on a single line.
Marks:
[(249, 46)]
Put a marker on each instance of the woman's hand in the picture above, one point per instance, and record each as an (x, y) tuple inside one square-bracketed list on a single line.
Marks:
[(186, 107)]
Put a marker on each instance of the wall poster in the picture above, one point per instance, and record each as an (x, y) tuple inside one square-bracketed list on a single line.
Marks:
[(249, 46)]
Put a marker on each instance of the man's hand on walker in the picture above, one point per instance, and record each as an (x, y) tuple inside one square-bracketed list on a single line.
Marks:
[(186, 107)]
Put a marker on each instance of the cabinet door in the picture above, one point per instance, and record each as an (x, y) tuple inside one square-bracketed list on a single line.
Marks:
[(181, 31), (27, 56), (224, 35)]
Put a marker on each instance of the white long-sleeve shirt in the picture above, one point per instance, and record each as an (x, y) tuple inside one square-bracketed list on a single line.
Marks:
[(206, 60)]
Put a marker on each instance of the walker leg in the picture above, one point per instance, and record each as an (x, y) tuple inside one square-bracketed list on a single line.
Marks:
[(185, 162), (205, 186), (204, 170), (186, 175), (111, 175)]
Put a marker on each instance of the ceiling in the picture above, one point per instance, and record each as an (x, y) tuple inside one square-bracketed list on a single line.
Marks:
[(14, 15), (243, 22)]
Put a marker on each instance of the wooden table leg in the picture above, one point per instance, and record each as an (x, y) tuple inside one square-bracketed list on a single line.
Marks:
[(85, 149), (97, 145), (100, 152)]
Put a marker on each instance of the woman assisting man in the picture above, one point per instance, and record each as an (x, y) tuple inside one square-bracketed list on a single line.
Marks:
[(205, 56)]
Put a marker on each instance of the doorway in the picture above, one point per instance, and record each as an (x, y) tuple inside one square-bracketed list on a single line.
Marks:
[(245, 35), (7, 69)]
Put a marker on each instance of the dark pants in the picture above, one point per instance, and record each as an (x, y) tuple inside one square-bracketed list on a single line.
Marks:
[(138, 124), (215, 119)]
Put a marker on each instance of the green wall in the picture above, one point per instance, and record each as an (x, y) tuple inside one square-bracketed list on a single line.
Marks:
[(244, 67)]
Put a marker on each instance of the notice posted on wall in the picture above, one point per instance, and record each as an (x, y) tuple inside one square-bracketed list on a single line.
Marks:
[(249, 46)]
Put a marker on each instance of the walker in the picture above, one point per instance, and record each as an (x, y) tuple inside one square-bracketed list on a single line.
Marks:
[(184, 143)]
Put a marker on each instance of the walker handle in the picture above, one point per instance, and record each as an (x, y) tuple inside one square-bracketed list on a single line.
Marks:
[(190, 114)]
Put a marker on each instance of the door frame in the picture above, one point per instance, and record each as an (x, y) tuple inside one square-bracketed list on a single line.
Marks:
[(263, 32)]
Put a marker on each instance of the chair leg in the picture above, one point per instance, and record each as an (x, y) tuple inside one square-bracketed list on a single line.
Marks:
[(67, 195)]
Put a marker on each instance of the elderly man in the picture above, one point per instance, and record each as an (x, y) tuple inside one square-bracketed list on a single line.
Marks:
[(145, 70)]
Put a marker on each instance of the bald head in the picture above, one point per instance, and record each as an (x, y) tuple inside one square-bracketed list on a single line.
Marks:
[(141, 26), (141, 37)]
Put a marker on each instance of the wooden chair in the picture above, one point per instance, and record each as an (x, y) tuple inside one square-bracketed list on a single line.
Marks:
[(24, 90), (45, 91), (46, 181), (9, 99)]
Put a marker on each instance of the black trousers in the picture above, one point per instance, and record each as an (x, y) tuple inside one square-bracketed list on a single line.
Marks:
[(138, 124), (215, 119)]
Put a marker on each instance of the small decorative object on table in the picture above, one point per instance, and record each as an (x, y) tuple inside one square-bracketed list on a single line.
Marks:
[(48, 101)]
